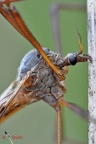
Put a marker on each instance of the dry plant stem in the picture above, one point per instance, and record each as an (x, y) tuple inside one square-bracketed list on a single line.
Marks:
[(59, 128), (91, 12)]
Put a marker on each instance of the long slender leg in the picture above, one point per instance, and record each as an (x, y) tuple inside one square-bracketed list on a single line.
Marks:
[(22, 28), (11, 20), (7, 2), (54, 10), (78, 110), (32, 39), (59, 127), (54, 13)]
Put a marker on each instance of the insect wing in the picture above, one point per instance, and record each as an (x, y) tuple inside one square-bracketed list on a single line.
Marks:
[(6, 98)]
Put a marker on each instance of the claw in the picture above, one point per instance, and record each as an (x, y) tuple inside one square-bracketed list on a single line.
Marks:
[(84, 58), (73, 58)]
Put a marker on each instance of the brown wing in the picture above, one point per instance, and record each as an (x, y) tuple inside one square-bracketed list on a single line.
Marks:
[(14, 98), (12, 102), (7, 98)]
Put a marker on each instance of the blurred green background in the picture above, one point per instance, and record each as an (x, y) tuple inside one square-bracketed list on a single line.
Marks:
[(37, 122)]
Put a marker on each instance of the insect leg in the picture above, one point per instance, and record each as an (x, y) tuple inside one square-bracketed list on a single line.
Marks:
[(32, 40), (15, 19), (10, 19), (59, 127), (78, 110), (7, 2)]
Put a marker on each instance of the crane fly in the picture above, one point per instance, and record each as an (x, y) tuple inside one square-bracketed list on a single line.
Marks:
[(41, 73)]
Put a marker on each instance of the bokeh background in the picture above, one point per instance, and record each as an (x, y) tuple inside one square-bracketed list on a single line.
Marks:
[(37, 122)]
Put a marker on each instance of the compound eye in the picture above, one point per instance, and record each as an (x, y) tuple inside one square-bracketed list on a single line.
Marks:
[(72, 59), (38, 55)]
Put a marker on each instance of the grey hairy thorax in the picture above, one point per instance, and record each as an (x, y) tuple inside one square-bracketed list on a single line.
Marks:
[(46, 84)]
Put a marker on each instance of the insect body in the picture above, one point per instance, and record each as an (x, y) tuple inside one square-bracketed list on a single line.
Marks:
[(45, 83), (42, 82), (41, 74)]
